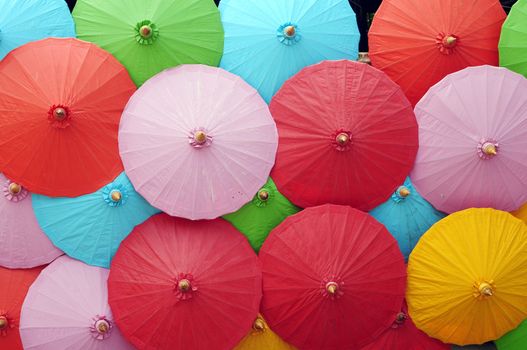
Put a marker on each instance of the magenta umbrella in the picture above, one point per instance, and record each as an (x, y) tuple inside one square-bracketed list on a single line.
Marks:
[(23, 244), (197, 142), (473, 141), (67, 308)]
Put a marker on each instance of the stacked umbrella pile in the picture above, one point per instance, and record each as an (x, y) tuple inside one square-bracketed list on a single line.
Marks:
[(375, 198)]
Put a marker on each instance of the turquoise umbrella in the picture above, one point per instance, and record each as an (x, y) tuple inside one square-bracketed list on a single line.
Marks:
[(267, 42), (91, 227), (22, 21), (407, 216)]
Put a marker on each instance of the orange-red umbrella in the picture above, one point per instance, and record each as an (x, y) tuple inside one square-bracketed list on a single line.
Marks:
[(60, 106), (14, 285), (418, 42)]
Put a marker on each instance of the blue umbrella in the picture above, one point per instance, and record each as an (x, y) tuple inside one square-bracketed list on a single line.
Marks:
[(91, 227), (267, 42), (407, 216), (22, 21)]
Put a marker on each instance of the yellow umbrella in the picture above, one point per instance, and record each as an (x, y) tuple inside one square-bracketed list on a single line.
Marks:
[(261, 337), (521, 213), (467, 277)]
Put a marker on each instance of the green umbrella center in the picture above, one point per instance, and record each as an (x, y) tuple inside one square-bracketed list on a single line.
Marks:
[(146, 31)]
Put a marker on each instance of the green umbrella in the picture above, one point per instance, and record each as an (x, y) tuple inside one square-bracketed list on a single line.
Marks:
[(148, 36), (263, 213), (513, 42), (515, 339)]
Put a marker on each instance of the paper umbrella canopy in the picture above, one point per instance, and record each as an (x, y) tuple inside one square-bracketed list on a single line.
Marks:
[(57, 126), (472, 154), (265, 211), (91, 227), (362, 148), (23, 21), (14, 285), (181, 284), (24, 245), (347, 274), (261, 337), (469, 288), (513, 40), (67, 308), (191, 155), (407, 216), (267, 42), (149, 36), (418, 43)]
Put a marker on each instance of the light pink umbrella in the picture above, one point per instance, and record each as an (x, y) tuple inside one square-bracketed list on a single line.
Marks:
[(473, 141), (22, 242), (67, 308), (197, 142)]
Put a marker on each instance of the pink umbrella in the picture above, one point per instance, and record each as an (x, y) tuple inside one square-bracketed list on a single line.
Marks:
[(473, 141), (23, 244), (67, 308), (197, 142)]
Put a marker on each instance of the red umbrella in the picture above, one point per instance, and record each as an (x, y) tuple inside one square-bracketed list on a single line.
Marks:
[(404, 335), (333, 277), (14, 285), (347, 135), (418, 42), (179, 284), (61, 102)]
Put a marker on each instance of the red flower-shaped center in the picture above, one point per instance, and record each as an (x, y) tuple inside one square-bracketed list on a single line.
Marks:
[(185, 286), (59, 116)]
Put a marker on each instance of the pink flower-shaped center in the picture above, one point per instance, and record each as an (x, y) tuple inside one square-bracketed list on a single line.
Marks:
[(185, 286), (199, 138), (101, 327), (488, 149), (14, 192)]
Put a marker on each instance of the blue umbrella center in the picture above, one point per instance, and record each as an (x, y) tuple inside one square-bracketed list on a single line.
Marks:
[(288, 34), (114, 196)]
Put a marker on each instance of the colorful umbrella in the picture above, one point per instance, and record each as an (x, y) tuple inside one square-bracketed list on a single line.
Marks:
[(403, 335), (418, 43), (13, 288), (515, 339), (513, 41), (180, 284), (267, 42), (521, 213), (348, 135), (196, 156), (333, 278), (61, 102), (91, 227), (23, 244), (22, 21), (67, 308), (149, 36), (472, 141), (407, 216), (261, 337), (466, 277), (264, 212)]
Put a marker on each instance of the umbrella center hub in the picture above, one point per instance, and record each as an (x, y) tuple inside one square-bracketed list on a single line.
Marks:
[(259, 325), (14, 191), (101, 327), (342, 140), (185, 286), (399, 319), (263, 195), (446, 43), (116, 196), (59, 116), (403, 192), (288, 34), (4, 322), (146, 32), (199, 138), (483, 290), (488, 149)]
